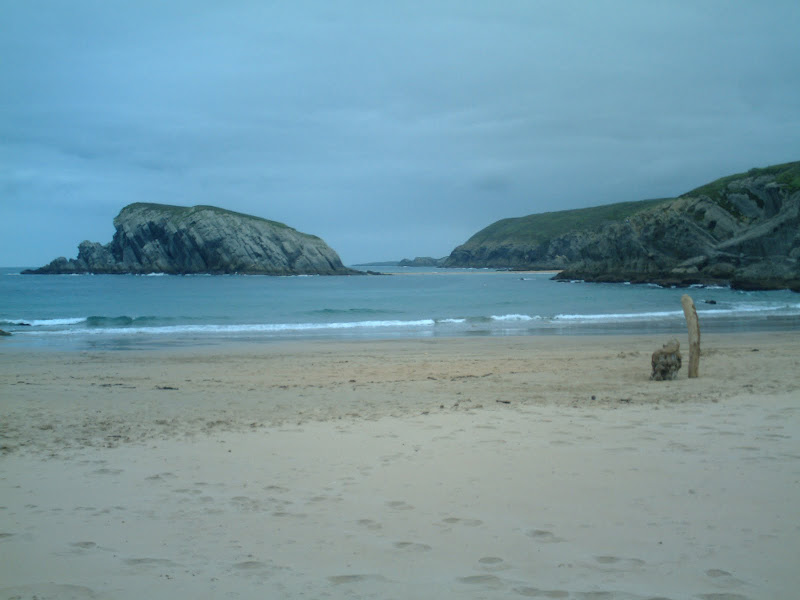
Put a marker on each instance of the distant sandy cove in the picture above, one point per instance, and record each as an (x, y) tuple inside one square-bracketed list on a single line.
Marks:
[(546, 467)]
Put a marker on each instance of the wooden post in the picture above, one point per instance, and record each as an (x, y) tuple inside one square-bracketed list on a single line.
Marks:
[(694, 334)]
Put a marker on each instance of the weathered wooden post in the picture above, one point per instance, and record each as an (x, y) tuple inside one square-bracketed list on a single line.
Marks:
[(694, 334)]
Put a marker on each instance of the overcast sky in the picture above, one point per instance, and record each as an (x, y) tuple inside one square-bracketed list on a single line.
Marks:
[(389, 129)]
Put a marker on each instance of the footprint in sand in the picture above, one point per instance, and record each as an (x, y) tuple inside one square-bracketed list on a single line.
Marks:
[(493, 563), (399, 505), (622, 562), (276, 488), (460, 521), (105, 471), (487, 580), (412, 546), (342, 579), (84, 545), (369, 524), (246, 504), (49, 590), (249, 565), (149, 562), (717, 573), (532, 592), (161, 477), (283, 513), (325, 499), (545, 537), (725, 577)]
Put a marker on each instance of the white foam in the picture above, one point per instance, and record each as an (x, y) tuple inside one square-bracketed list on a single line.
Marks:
[(618, 317), (244, 328), (47, 322), (776, 309), (514, 317)]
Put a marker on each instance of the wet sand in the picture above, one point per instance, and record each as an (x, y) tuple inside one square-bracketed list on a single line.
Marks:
[(447, 468)]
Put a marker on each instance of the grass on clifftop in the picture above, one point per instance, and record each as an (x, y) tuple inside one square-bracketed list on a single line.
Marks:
[(538, 228), (786, 173), (181, 212)]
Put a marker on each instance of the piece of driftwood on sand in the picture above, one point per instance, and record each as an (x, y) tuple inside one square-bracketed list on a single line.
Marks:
[(693, 325)]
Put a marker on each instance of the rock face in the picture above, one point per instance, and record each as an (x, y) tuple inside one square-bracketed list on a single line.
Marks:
[(158, 238), (742, 230)]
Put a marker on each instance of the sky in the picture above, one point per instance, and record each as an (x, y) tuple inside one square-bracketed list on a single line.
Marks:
[(389, 129)]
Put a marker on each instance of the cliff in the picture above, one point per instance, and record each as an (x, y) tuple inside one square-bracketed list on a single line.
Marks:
[(158, 238), (742, 230)]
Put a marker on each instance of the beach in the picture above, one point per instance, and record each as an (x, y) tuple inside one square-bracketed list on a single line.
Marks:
[(476, 467)]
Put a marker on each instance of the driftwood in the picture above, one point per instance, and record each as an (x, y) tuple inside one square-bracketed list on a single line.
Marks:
[(666, 361), (694, 334)]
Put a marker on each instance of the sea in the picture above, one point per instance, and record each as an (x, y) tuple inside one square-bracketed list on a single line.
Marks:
[(129, 312)]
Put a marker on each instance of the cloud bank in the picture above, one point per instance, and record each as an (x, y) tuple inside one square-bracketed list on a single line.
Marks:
[(388, 129)]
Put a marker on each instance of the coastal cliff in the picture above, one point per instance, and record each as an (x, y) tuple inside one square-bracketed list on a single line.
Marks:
[(742, 230), (158, 238)]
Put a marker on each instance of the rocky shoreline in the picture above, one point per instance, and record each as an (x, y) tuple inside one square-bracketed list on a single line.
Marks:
[(751, 285)]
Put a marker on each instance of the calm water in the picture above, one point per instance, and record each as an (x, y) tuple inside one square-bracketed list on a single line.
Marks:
[(125, 311)]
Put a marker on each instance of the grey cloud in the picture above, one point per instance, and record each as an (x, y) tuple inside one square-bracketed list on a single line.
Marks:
[(389, 129)]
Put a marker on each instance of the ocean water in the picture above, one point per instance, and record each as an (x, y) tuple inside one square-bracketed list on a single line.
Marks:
[(79, 312)]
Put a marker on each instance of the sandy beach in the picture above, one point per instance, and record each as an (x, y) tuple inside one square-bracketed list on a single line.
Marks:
[(546, 467)]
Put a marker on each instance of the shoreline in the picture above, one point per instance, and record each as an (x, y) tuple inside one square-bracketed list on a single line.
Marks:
[(530, 328), (428, 468), (57, 402)]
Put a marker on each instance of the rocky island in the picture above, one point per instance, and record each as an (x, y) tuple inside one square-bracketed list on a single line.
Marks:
[(159, 238), (742, 230)]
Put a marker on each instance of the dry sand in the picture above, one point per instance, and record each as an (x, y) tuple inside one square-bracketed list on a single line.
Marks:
[(542, 467)]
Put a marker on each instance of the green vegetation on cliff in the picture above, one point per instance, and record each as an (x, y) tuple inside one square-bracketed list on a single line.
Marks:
[(538, 228), (178, 213), (787, 174), (742, 230)]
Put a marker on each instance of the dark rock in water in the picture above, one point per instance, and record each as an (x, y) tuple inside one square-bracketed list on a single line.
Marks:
[(710, 301), (2, 333), (742, 230), (666, 361), (157, 238)]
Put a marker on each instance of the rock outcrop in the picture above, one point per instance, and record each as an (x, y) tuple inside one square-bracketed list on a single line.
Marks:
[(422, 261), (742, 230), (666, 361), (158, 238)]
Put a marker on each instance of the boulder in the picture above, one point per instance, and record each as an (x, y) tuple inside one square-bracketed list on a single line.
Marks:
[(666, 361)]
